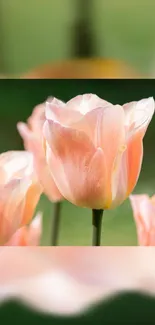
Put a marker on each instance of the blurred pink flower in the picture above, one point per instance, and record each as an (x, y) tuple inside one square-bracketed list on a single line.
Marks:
[(68, 280), (28, 235), (144, 214), (33, 142), (19, 192), (94, 149)]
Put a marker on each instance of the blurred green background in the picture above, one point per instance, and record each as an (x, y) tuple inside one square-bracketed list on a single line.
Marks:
[(36, 32), (17, 99)]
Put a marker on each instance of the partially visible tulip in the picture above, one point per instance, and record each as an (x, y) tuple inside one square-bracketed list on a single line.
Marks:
[(94, 149), (19, 192), (33, 142), (28, 235), (144, 214), (69, 280)]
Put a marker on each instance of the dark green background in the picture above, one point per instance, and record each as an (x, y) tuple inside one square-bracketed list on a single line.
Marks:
[(17, 99)]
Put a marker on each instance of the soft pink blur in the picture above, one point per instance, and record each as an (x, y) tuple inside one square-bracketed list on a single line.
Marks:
[(19, 192), (94, 149), (28, 235), (68, 280), (144, 214), (33, 142)]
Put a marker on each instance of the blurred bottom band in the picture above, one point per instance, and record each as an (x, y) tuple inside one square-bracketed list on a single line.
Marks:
[(69, 280)]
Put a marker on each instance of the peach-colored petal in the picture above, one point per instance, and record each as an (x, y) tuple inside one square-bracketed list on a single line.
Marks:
[(126, 173), (111, 133), (55, 101), (83, 167), (144, 212), (140, 223), (119, 180), (19, 238), (14, 164), (53, 108), (105, 126), (26, 134), (19, 192), (74, 109), (34, 124), (134, 160), (44, 173), (136, 201), (61, 114), (139, 114), (12, 201), (85, 103), (37, 119), (28, 235), (31, 200), (34, 145), (35, 230)]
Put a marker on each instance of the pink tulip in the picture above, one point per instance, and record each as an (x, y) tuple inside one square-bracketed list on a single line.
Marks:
[(28, 235), (94, 149), (19, 192), (144, 215), (33, 142), (69, 280)]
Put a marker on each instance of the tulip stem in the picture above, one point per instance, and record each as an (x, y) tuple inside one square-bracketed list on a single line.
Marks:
[(97, 225), (56, 223)]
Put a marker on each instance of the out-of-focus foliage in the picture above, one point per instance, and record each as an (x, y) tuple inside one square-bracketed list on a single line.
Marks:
[(34, 33)]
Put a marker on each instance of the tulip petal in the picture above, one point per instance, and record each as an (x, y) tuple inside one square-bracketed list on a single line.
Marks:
[(139, 114), (134, 160), (136, 206), (44, 173), (26, 134), (61, 114), (105, 128), (101, 124), (35, 230), (81, 171), (86, 103), (14, 164), (119, 180), (12, 202), (31, 200), (37, 119), (28, 235), (126, 173), (34, 145), (144, 212), (19, 238)]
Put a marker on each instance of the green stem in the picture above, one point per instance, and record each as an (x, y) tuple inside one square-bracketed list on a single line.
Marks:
[(56, 223), (97, 225)]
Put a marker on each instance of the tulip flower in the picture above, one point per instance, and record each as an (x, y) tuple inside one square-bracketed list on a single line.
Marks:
[(69, 280), (19, 192), (33, 142), (94, 150), (144, 214), (28, 235)]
